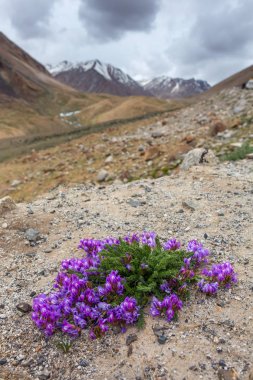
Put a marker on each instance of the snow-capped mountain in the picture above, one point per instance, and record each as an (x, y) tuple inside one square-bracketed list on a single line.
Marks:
[(166, 87), (98, 77)]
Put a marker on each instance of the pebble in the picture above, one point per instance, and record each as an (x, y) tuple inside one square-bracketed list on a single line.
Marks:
[(24, 307), (3, 361), (4, 225), (131, 338), (44, 375), (32, 235)]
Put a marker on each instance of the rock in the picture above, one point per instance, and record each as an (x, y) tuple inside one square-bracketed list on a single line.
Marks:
[(249, 156), (44, 375), (7, 204), (217, 127), (151, 153), (240, 106), (32, 235), (198, 156), (190, 205), (84, 363), (24, 307), (3, 361), (131, 338), (136, 202), (227, 374), (16, 183), (102, 175), (188, 139), (109, 159), (4, 225), (249, 84), (162, 339), (157, 134)]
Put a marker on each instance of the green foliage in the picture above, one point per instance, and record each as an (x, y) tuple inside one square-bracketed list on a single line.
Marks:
[(64, 345), (148, 267), (239, 153)]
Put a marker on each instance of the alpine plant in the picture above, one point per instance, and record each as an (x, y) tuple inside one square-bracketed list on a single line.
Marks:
[(115, 279)]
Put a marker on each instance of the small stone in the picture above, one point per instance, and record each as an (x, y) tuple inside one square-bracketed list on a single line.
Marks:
[(44, 375), (102, 175), (33, 293), (4, 225), (16, 183), (84, 363), (32, 235), (190, 205), (222, 363), (157, 134), (131, 338), (193, 368), (7, 204), (3, 361), (162, 339), (24, 307), (130, 350), (109, 159)]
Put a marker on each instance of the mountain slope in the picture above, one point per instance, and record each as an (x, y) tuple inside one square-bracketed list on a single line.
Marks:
[(237, 80), (97, 77), (166, 88), (21, 76), (34, 104)]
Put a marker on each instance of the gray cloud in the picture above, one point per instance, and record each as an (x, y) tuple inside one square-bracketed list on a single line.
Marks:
[(107, 20), (220, 36), (31, 17)]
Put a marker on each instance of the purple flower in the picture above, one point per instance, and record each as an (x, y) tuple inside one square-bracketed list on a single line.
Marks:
[(131, 239), (172, 245), (148, 238), (156, 307), (222, 273), (169, 306), (209, 288)]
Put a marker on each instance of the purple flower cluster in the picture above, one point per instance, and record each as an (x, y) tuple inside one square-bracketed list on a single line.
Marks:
[(113, 285), (169, 306), (172, 245), (199, 252), (219, 275), (77, 305), (85, 297)]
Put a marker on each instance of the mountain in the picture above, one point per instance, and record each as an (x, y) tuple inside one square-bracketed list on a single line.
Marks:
[(97, 77), (166, 87), (34, 104), (21, 76), (236, 80)]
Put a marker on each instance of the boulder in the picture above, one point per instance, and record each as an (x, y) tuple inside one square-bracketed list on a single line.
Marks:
[(217, 127), (198, 156), (249, 84), (7, 204)]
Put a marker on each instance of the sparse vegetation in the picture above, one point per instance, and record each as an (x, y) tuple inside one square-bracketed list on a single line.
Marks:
[(239, 153)]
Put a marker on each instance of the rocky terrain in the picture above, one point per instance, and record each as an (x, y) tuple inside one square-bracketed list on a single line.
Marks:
[(213, 336), (145, 149)]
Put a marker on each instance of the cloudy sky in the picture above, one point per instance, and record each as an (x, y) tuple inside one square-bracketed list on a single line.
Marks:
[(205, 39)]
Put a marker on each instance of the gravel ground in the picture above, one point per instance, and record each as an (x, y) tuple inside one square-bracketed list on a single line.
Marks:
[(213, 336)]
